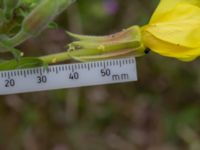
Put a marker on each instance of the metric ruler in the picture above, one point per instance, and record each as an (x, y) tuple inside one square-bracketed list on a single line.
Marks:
[(68, 76)]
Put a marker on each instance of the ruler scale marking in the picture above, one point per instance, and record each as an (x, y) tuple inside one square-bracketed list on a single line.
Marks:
[(68, 76)]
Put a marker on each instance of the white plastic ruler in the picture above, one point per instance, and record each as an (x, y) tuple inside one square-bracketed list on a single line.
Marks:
[(68, 76)]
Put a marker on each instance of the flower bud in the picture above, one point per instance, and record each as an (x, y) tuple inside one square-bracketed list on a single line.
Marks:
[(43, 14), (40, 17)]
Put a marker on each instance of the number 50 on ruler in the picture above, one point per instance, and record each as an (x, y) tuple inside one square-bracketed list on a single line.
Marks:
[(68, 76)]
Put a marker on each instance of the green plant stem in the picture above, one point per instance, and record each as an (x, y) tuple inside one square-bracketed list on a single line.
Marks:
[(58, 57), (63, 56)]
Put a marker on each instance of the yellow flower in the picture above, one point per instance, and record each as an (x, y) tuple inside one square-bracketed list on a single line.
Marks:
[(174, 29)]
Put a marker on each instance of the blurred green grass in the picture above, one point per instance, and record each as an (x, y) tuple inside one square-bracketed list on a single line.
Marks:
[(159, 112)]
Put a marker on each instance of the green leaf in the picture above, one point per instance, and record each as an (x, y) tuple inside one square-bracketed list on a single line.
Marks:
[(26, 62)]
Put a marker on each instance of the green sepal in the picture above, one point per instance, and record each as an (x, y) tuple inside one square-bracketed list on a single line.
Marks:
[(128, 42)]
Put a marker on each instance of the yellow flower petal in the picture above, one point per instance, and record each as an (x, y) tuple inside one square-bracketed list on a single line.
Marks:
[(179, 33), (174, 29), (181, 26), (167, 49), (165, 6)]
